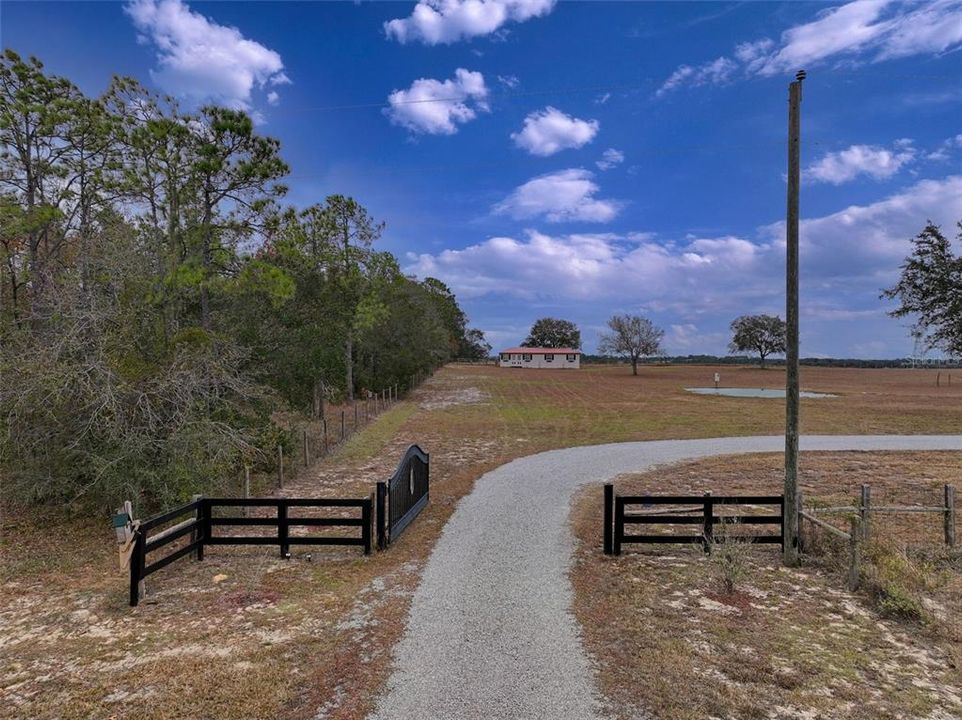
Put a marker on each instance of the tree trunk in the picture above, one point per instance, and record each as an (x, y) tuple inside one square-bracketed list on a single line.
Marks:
[(206, 261), (317, 407), (762, 356), (349, 365), (634, 365)]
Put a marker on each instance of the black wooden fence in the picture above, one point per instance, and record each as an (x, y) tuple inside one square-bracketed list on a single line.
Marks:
[(403, 496), (202, 521), (700, 512)]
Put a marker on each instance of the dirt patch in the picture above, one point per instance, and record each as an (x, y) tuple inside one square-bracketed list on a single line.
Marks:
[(450, 398)]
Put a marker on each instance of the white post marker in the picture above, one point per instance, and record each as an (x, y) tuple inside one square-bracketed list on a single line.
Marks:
[(717, 378)]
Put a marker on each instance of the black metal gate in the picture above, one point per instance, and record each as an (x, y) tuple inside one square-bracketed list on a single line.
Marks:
[(400, 499)]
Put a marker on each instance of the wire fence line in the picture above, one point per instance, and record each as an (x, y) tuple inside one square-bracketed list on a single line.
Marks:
[(317, 438)]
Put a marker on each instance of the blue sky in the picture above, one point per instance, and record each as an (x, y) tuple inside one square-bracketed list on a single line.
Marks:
[(582, 159)]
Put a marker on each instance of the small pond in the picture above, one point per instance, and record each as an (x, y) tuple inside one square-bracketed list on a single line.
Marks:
[(754, 392)]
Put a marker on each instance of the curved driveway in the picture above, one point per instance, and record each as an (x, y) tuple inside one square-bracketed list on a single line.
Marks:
[(490, 632)]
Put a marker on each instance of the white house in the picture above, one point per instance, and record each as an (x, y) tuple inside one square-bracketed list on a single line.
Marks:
[(532, 357)]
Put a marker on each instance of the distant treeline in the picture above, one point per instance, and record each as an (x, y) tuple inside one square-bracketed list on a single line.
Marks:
[(746, 360)]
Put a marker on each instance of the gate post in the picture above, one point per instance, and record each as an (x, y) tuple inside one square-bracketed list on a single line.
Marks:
[(366, 523), (381, 518), (619, 525), (609, 520), (137, 560)]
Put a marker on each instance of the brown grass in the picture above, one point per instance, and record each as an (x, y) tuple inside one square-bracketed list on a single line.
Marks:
[(786, 643), (286, 639)]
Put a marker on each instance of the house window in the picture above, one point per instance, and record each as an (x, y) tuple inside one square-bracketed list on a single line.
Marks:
[(526, 357), (505, 357), (548, 357), (570, 357)]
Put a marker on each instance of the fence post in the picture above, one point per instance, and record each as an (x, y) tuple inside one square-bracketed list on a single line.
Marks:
[(366, 523), (197, 533), (619, 525), (855, 553), (380, 516), (864, 510), (709, 524), (137, 566), (283, 528), (950, 515), (609, 520), (781, 525), (205, 528), (280, 467)]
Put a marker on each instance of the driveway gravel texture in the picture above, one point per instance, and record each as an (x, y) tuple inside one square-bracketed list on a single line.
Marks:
[(490, 632)]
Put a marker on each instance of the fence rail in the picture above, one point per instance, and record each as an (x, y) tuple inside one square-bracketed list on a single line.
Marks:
[(617, 517), (865, 509), (202, 523)]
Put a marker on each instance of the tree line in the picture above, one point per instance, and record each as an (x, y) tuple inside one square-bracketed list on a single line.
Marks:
[(159, 304)]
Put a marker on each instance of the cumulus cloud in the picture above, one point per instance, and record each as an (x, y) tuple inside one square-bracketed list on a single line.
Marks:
[(549, 131), (563, 196), (864, 30), (845, 165), (443, 22), (201, 60), (701, 283), (437, 108), (610, 158)]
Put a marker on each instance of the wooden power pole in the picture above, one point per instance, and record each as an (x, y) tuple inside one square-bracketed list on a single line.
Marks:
[(790, 530)]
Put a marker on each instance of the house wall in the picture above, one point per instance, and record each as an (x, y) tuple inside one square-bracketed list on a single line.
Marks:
[(539, 361)]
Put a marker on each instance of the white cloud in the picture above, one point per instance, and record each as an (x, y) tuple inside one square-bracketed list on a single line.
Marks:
[(845, 165), (273, 98), (716, 72), (847, 257), (201, 60), (549, 131), (566, 195), (509, 81), (839, 30), (863, 31), (436, 22), (437, 108), (610, 158), (603, 98)]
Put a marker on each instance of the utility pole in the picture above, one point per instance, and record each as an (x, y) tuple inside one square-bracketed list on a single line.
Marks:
[(790, 550)]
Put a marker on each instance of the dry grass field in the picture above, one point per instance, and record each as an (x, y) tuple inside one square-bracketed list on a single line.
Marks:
[(246, 635), (786, 643)]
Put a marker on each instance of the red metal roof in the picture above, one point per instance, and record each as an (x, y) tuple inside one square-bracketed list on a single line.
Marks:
[(541, 351)]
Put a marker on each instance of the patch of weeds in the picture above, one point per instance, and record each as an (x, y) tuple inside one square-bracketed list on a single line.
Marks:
[(896, 582), (728, 558)]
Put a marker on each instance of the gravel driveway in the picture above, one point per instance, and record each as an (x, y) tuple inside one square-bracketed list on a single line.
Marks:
[(491, 633)]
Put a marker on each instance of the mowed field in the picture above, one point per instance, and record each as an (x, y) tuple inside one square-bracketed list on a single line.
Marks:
[(246, 635)]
